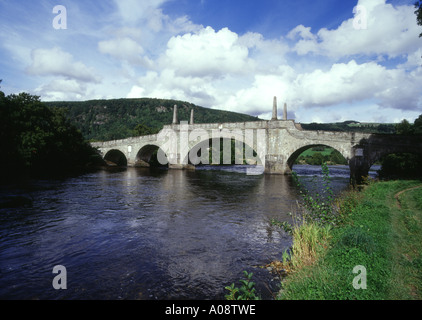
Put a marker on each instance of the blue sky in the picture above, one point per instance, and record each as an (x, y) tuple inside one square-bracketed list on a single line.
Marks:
[(327, 61)]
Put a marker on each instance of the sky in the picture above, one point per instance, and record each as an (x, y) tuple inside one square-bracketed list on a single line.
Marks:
[(329, 60)]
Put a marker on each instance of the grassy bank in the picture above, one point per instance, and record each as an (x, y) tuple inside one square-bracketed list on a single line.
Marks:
[(381, 232)]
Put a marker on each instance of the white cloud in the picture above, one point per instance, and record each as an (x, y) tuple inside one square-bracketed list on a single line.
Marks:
[(125, 49), (265, 55), (55, 62), (390, 31), (342, 83), (206, 54), (149, 15), (136, 92), (134, 11), (62, 89)]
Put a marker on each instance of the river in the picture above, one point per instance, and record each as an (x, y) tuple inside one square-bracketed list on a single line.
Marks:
[(147, 234)]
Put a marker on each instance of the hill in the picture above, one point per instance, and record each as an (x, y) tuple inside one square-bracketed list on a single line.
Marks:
[(103, 120)]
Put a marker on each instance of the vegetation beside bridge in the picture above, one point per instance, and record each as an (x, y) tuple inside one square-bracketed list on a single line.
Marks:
[(381, 231)]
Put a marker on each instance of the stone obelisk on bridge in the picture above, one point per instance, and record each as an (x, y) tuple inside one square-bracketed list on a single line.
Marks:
[(274, 109), (175, 120)]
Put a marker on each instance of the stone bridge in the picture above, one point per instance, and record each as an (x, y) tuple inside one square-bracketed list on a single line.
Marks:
[(274, 145)]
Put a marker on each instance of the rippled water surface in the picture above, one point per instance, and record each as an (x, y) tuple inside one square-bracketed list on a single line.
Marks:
[(142, 234)]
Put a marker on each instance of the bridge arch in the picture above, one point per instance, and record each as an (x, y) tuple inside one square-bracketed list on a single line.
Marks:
[(116, 157), (235, 150), (295, 155), (151, 155)]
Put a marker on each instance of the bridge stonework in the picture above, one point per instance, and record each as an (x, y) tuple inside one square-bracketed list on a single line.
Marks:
[(277, 143)]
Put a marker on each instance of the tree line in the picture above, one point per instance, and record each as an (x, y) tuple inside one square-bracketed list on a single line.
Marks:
[(406, 128)]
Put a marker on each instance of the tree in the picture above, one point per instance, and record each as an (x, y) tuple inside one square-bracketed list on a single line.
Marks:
[(337, 158), (143, 130), (37, 140), (418, 12), (417, 126), (404, 128), (400, 166)]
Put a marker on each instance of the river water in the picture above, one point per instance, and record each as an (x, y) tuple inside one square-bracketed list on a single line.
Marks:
[(147, 234)]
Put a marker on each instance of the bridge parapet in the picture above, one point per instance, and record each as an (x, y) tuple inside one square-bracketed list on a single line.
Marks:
[(263, 124), (127, 141)]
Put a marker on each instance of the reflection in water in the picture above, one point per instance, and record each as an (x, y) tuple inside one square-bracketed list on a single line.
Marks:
[(145, 234)]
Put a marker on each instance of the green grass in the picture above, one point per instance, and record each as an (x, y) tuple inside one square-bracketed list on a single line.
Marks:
[(377, 234), (408, 247)]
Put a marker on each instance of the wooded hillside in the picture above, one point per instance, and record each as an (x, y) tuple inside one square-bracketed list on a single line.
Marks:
[(105, 120)]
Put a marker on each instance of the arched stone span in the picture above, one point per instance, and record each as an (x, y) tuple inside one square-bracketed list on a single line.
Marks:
[(293, 157), (115, 157), (203, 152), (147, 156)]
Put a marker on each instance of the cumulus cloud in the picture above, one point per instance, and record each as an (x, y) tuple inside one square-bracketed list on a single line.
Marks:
[(206, 54), (387, 30), (350, 82), (208, 67), (55, 62), (62, 89)]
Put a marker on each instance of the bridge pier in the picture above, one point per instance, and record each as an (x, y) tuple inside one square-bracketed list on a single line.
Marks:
[(276, 164), (175, 163), (358, 174), (359, 165)]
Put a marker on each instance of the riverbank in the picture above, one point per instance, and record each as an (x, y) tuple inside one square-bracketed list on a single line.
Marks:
[(375, 254)]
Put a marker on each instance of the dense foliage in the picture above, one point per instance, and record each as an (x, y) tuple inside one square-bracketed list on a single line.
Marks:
[(406, 128), (401, 165), (37, 140), (404, 165), (105, 120)]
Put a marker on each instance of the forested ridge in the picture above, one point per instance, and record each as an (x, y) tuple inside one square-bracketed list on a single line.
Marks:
[(103, 120)]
